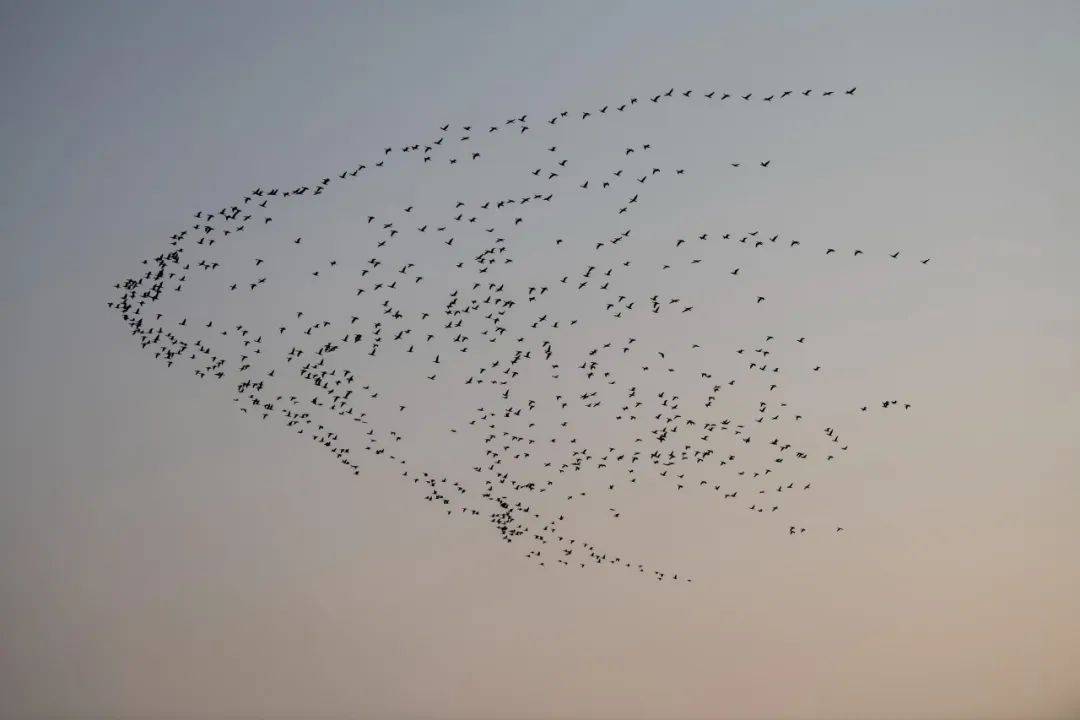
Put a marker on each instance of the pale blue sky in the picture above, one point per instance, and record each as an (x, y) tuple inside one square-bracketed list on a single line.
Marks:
[(160, 554)]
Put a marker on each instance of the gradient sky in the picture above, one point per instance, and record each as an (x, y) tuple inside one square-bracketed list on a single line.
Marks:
[(163, 555)]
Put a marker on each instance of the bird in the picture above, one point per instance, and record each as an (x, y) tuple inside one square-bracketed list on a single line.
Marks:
[(547, 372)]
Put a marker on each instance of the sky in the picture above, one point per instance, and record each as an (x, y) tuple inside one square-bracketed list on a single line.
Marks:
[(163, 555)]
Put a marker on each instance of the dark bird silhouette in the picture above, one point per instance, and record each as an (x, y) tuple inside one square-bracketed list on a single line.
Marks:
[(539, 363)]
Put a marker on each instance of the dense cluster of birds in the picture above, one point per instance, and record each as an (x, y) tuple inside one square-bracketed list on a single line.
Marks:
[(529, 368)]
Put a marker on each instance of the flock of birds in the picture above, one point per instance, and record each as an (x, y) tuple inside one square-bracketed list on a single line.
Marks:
[(529, 368)]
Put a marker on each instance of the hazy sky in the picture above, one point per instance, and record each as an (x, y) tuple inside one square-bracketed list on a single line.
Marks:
[(163, 555)]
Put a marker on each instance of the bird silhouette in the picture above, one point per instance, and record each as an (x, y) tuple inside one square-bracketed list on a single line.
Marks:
[(547, 336)]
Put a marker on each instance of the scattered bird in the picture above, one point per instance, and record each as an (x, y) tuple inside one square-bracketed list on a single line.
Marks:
[(349, 376)]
